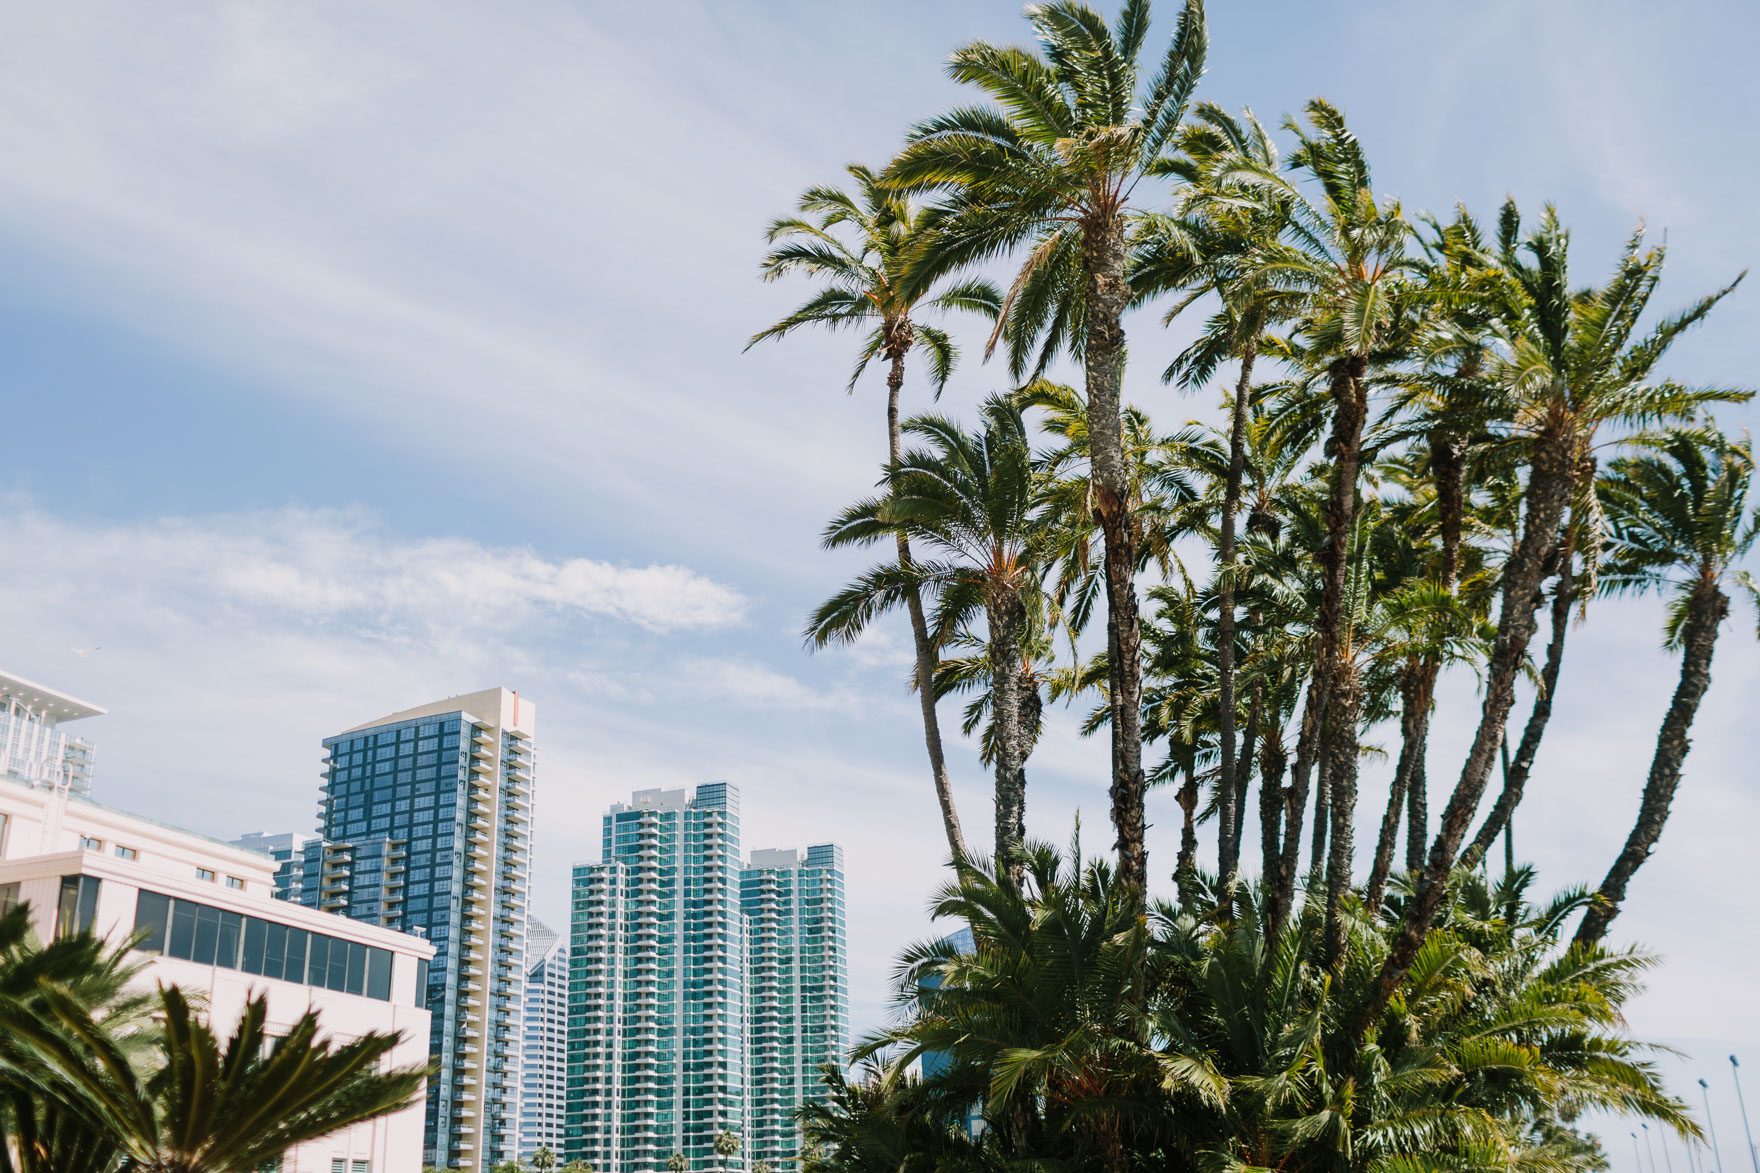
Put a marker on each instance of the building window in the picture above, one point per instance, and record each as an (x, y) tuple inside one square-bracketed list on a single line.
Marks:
[(87, 843), (205, 874), (8, 898), (78, 906), (234, 882), (363, 1167), (126, 852)]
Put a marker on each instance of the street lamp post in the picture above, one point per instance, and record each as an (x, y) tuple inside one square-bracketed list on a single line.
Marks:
[(1711, 1126), (1735, 1070)]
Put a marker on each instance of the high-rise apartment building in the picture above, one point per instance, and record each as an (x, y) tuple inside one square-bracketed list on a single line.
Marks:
[(543, 1088), (34, 749), (797, 990), (425, 825), (656, 1038), (288, 850)]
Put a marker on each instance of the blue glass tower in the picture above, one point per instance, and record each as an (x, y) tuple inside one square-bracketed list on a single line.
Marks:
[(426, 827)]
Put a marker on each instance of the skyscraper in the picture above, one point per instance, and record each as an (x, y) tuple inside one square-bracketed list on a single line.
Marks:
[(544, 1054), (797, 990), (655, 1002), (34, 749), (426, 826), (288, 850)]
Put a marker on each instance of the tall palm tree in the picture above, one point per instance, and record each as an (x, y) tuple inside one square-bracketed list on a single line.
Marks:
[(1220, 227), (864, 287), (1575, 366), (971, 500), (1055, 163), (1680, 522)]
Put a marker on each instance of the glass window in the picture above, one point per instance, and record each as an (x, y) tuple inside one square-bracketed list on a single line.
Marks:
[(274, 950), (354, 978), (207, 934), (338, 975), (255, 935), (234, 882), (317, 960), (183, 929), (298, 941), (8, 895), (204, 874), (87, 843), (126, 852), (226, 948), (151, 911), (78, 905), (379, 974)]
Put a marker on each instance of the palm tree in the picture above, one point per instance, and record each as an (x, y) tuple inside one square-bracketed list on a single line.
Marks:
[(972, 501), (676, 1163), (1573, 366), (1056, 162), (543, 1160), (1202, 250), (864, 287), (1680, 522), (726, 1145)]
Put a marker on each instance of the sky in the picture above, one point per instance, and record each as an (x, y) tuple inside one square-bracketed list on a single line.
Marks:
[(360, 354)]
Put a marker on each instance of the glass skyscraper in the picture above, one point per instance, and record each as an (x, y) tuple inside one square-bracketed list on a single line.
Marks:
[(34, 749), (656, 1025), (426, 826), (797, 990), (544, 1054)]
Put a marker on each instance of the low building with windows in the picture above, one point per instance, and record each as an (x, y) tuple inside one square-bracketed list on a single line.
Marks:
[(212, 926)]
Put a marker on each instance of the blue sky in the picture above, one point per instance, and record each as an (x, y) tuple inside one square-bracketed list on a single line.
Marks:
[(364, 353)]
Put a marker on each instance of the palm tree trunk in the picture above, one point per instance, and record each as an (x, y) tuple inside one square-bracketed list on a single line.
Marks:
[(1229, 808), (1103, 262), (1322, 806), (1414, 721), (1185, 872), (925, 650), (1418, 806), (1448, 468), (1347, 703), (1516, 776), (1006, 613), (1706, 610), (1549, 492), (1229, 848), (1272, 762), (1282, 897)]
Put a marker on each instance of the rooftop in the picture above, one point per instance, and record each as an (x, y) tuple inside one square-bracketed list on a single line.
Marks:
[(45, 701)]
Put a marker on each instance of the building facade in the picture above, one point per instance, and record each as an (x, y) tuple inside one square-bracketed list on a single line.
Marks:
[(34, 748), (425, 826), (797, 990), (213, 927), (656, 1023), (288, 850), (543, 1087)]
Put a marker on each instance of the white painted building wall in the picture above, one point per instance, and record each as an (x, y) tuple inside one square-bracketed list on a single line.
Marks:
[(46, 836)]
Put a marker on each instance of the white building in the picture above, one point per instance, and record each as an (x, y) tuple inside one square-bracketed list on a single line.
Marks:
[(34, 749), (544, 1059), (215, 929)]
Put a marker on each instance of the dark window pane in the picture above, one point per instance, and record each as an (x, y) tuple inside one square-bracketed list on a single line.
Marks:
[(254, 933), (207, 934), (297, 941), (183, 929), (226, 949), (274, 949), (338, 965), (318, 963), (379, 974), (88, 903), (151, 911), (421, 981), (354, 979), (67, 907)]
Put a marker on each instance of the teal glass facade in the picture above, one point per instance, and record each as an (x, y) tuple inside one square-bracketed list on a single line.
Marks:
[(797, 990), (656, 1029)]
